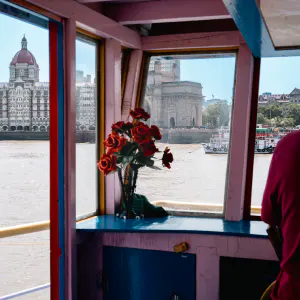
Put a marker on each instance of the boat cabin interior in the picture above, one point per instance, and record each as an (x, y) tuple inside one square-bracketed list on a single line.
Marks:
[(85, 219)]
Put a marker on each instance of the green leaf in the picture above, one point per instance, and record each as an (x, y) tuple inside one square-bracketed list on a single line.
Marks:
[(128, 149), (136, 166), (142, 159)]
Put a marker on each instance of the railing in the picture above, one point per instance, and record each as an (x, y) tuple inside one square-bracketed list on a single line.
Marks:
[(33, 227), (25, 292), (197, 207), (26, 229)]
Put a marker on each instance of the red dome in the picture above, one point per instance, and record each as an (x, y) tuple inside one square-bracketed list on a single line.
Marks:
[(24, 55)]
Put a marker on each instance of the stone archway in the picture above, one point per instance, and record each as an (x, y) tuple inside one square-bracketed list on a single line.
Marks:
[(12, 128), (20, 128), (172, 122), (193, 122)]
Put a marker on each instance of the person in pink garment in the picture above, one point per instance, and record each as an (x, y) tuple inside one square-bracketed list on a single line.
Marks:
[(281, 208)]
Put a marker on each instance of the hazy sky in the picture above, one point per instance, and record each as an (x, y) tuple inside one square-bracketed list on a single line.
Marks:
[(278, 75)]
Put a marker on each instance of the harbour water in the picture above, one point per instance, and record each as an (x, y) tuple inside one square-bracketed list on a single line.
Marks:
[(24, 197)]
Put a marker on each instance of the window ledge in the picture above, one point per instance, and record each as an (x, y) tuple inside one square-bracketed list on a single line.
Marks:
[(172, 224)]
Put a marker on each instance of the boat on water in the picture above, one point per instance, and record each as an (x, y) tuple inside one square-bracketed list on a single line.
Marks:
[(265, 143), (218, 143)]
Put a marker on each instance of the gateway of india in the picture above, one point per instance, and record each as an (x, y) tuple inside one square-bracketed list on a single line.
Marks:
[(171, 102), (24, 100)]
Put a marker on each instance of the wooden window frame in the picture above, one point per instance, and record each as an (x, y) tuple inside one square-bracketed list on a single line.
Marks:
[(140, 96), (100, 113)]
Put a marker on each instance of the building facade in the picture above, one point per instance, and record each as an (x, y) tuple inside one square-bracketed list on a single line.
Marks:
[(24, 100), (171, 102), (280, 99)]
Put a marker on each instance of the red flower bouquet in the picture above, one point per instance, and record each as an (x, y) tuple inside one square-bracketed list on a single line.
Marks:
[(130, 147)]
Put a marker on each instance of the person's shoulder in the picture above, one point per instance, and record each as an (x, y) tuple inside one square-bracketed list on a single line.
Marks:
[(293, 136), (291, 140)]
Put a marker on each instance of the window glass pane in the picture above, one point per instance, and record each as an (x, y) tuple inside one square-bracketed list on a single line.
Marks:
[(24, 151), (190, 99), (86, 120), (25, 264), (24, 122), (278, 114)]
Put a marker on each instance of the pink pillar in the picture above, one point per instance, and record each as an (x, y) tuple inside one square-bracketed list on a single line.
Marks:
[(70, 158), (112, 113), (132, 82), (237, 167)]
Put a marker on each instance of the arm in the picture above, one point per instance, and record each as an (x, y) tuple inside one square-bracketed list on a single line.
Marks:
[(270, 212)]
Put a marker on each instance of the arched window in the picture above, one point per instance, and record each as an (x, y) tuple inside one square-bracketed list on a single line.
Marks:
[(172, 122)]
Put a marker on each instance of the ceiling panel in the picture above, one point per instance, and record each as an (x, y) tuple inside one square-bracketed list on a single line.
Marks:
[(282, 18)]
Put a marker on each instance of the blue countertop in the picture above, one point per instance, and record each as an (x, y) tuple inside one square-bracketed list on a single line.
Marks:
[(173, 224)]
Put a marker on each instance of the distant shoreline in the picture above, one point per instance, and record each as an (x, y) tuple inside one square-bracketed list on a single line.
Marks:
[(81, 136)]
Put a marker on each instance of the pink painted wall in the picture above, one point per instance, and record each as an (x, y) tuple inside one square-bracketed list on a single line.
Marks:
[(237, 167), (91, 21), (166, 11), (208, 249), (112, 113), (132, 83), (70, 158)]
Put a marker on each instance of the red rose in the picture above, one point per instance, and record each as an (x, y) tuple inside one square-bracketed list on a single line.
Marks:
[(148, 148), (117, 126), (139, 113), (140, 133), (167, 158), (107, 164), (154, 132), (121, 126), (114, 143)]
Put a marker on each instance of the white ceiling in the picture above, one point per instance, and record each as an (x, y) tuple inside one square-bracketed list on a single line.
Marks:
[(282, 18)]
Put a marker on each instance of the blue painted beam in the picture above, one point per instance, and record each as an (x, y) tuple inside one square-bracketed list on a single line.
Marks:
[(172, 224), (248, 19)]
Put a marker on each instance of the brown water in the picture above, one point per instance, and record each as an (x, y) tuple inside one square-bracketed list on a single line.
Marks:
[(24, 198)]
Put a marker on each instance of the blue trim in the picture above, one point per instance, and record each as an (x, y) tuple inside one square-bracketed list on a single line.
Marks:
[(247, 17), (191, 225), (61, 157)]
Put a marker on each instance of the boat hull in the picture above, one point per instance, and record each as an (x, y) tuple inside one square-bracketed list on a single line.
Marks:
[(222, 151)]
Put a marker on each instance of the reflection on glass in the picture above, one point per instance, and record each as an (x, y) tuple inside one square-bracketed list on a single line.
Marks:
[(86, 96), (190, 99), (278, 114)]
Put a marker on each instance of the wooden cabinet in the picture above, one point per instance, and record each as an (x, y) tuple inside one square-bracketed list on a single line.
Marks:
[(245, 279), (134, 274)]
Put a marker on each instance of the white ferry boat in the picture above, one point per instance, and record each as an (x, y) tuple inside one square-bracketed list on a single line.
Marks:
[(219, 144)]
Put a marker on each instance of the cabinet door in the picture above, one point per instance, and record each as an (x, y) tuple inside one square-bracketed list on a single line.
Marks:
[(134, 274), (246, 279)]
